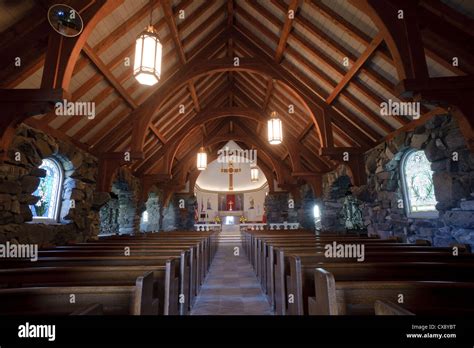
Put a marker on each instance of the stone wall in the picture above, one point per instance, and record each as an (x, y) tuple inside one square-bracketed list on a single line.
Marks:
[(276, 207), (20, 176), (179, 213), (122, 214), (453, 167), (109, 214), (335, 187)]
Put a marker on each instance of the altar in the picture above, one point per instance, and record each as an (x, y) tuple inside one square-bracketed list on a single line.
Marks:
[(231, 213), (231, 217)]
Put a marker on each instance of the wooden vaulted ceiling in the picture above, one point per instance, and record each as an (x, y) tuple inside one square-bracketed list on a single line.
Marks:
[(331, 47)]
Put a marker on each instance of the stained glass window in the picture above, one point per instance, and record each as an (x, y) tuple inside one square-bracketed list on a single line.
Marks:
[(49, 192), (418, 184)]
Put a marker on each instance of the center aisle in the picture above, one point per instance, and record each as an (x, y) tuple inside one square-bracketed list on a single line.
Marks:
[(231, 287)]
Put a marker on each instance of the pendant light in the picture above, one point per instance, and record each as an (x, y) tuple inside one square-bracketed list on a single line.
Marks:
[(202, 159), (275, 129), (254, 174), (148, 52)]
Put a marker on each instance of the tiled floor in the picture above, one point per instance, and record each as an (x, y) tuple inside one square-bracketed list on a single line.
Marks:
[(231, 287)]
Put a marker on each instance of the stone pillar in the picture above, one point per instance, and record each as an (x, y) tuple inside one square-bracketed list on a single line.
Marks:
[(331, 208), (179, 215), (153, 208), (168, 222), (129, 218), (276, 207), (109, 217)]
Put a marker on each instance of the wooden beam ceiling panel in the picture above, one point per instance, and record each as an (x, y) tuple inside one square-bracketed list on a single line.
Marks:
[(352, 99), (363, 58), (109, 76), (97, 100), (156, 155), (353, 31), (213, 41), (311, 96)]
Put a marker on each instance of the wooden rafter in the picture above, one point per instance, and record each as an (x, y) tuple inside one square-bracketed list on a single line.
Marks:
[(313, 98), (214, 41), (170, 20), (363, 58), (158, 134), (109, 76), (268, 93), (285, 32)]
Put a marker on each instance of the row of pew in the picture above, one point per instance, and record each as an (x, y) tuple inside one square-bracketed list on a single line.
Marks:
[(146, 274), (394, 278)]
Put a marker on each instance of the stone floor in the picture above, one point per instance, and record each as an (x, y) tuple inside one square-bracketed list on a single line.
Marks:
[(231, 287)]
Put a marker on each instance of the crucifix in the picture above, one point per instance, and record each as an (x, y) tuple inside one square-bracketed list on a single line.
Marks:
[(231, 170)]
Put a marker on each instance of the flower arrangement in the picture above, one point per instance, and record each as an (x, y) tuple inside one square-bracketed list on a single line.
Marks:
[(243, 219), (217, 220)]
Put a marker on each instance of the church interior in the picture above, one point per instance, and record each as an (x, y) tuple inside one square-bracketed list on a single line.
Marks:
[(236, 157)]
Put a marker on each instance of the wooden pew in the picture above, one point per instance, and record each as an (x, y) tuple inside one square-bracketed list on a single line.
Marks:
[(186, 285), (121, 261), (93, 309), (275, 272), (201, 252), (197, 268), (290, 278), (165, 279), (300, 282), (388, 308), (270, 254), (189, 258), (115, 300), (419, 297)]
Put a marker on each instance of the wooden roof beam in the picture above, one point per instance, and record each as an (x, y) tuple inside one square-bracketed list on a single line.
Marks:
[(353, 31), (308, 92), (170, 20), (214, 41), (268, 93), (285, 32), (156, 155), (363, 58), (450, 15), (340, 49), (158, 134), (305, 132), (109, 76)]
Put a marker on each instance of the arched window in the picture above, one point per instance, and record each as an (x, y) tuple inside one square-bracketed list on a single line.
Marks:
[(49, 192), (418, 188), (145, 217), (317, 216)]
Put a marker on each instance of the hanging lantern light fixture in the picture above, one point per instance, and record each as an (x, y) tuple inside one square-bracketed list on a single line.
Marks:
[(275, 129), (254, 174), (148, 52), (202, 159)]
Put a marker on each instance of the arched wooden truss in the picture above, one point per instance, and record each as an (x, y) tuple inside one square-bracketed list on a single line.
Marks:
[(331, 116)]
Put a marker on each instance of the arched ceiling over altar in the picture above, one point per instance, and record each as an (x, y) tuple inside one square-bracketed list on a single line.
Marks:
[(216, 176)]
